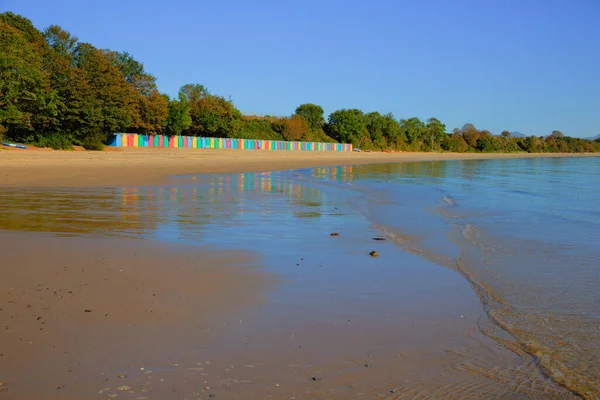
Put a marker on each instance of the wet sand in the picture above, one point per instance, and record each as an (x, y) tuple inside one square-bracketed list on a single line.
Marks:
[(125, 318), (143, 166), (105, 318), (77, 312)]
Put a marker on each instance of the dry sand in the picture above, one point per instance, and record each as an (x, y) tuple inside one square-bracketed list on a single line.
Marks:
[(140, 166)]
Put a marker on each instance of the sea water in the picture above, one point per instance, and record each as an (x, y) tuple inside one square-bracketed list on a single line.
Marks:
[(525, 233)]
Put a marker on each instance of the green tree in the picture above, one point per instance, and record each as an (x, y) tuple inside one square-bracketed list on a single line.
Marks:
[(254, 127), (392, 131), (178, 119), (505, 134), (134, 73), (531, 144), (454, 143), (313, 114), (27, 102), (488, 143), (211, 115), (152, 108), (30, 33), (385, 131), (415, 131), (71, 86), (348, 126), (377, 127), (61, 42), (436, 132), (110, 102)]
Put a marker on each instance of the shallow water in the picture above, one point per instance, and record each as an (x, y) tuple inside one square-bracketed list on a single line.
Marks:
[(524, 234)]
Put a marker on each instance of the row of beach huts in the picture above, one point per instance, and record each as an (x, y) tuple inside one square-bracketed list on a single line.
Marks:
[(193, 142)]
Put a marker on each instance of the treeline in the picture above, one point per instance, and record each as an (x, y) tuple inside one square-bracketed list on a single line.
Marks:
[(56, 91)]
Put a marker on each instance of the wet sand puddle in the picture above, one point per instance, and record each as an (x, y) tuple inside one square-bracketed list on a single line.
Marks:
[(323, 319)]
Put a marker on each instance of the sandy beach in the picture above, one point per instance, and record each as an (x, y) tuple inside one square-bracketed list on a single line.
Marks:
[(92, 313), (142, 166)]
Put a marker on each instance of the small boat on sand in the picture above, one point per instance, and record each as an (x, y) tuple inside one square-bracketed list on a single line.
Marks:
[(18, 146)]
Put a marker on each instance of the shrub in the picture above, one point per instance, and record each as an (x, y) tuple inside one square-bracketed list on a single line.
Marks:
[(54, 141), (93, 145)]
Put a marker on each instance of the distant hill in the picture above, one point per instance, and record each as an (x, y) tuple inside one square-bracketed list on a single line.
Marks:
[(514, 134), (593, 138), (517, 134)]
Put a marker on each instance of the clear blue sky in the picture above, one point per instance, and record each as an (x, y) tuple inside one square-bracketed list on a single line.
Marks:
[(525, 65)]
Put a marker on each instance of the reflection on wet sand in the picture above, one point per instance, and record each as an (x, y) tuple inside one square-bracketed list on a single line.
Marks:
[(135, 211), (132, 210)]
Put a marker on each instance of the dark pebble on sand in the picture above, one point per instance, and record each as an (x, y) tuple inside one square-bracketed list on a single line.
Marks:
[(87, 310)]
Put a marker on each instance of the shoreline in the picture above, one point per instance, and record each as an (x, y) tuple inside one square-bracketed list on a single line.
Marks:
[(142, 166)]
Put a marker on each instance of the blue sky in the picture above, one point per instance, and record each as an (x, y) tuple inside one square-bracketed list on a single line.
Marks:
[(525, 65)]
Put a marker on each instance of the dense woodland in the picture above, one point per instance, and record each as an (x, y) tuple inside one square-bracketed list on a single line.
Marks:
[(56, 91)]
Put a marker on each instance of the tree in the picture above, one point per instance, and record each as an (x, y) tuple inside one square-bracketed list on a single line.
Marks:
[(291, 128), (313, 115), (531, 144), (415, 131), (377, 126), (110, 102), (489, 143), (71, 86), (30, 33), (134, 73), (27, 102), (436, 132), (211, 115), (505, 134), (348, 126), (557, 135), (152, 108), (61, 42), (178, 119), (470, 134), (254, 127), (392, 131)]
